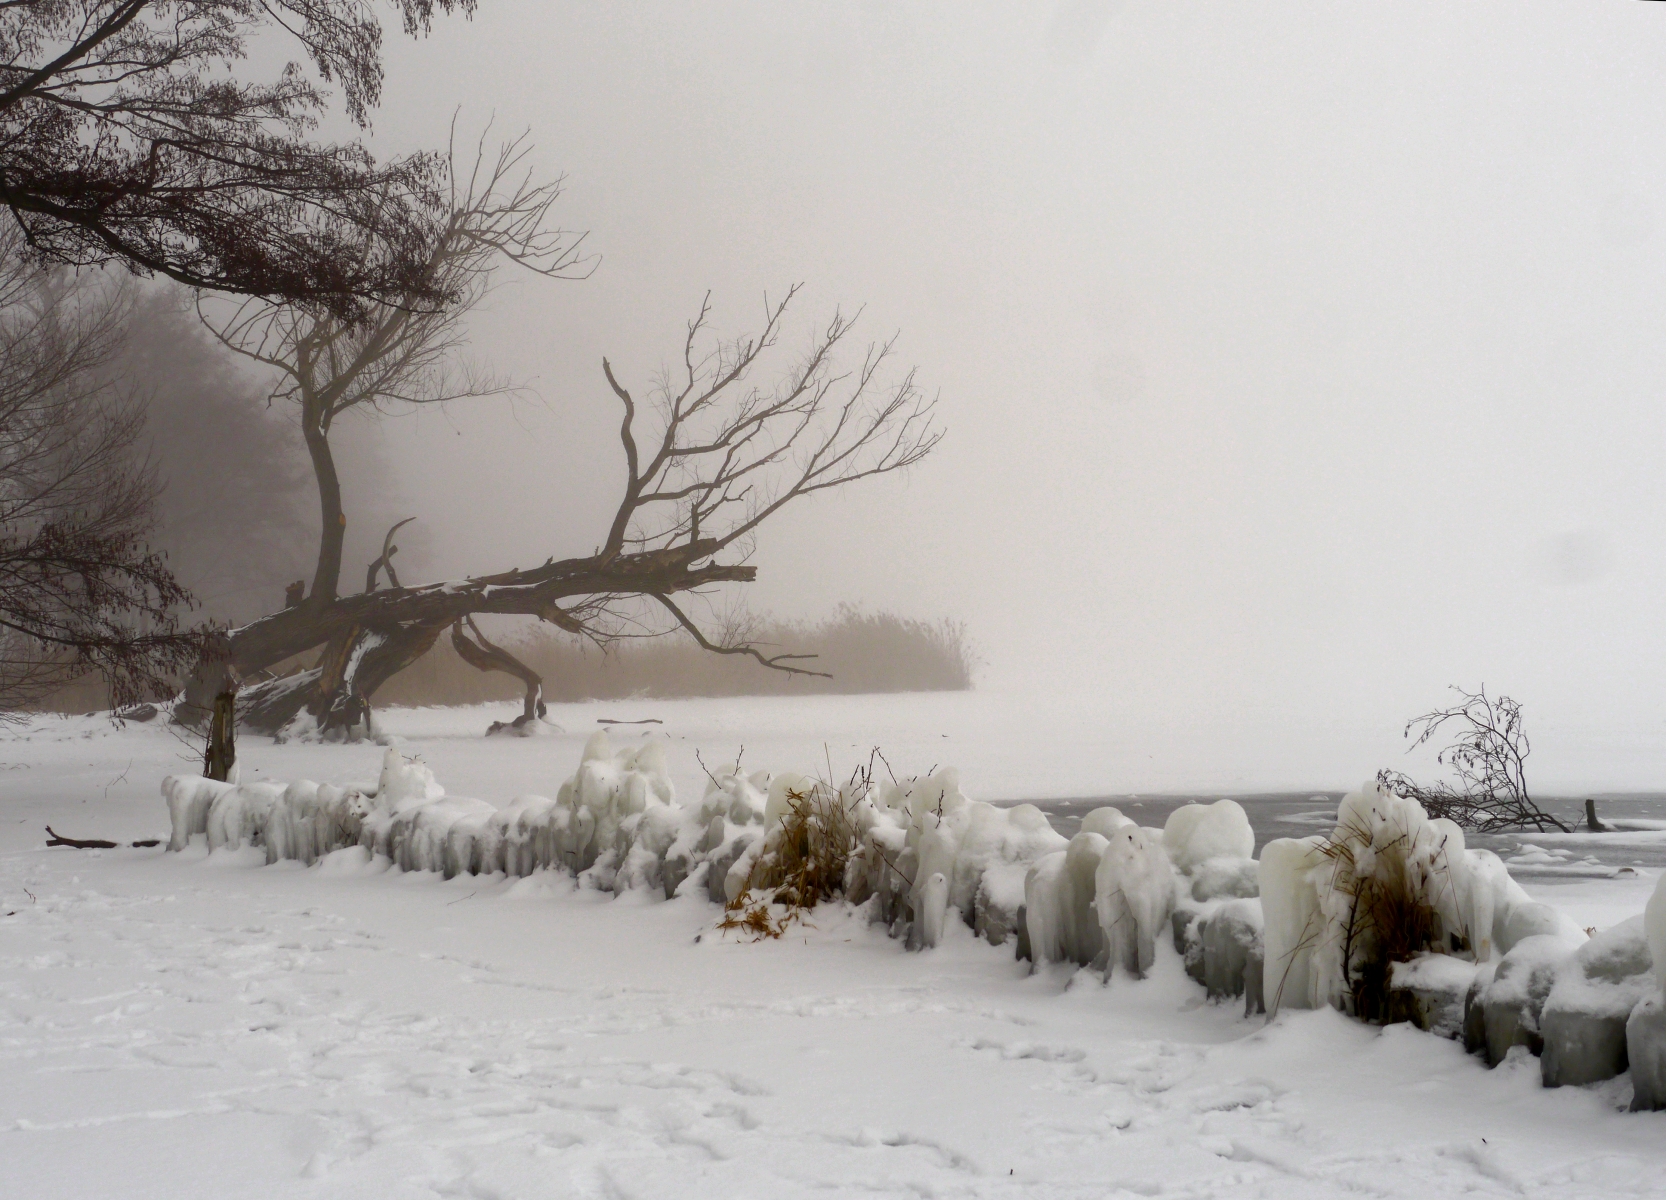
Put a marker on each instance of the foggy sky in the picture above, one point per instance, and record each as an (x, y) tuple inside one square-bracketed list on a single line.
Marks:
[(1297, 360)]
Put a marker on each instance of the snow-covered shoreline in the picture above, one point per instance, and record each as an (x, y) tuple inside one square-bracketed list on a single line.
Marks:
[(194, 1024)]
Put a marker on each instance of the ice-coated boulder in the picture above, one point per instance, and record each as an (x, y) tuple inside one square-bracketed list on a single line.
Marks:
[(1195, 832), (1226, 878), (1059, 907), (1231, 940), (1187, 924), (908, 832), (1584, 1017), (1646, 1053), (1654, 930), (1104, 821), (727, 820), (1430, 991), (1646, 1027), (1513, 1002), (1133, 896)]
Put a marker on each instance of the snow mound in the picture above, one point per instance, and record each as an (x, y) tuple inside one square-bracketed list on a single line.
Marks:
[(1196, 832)]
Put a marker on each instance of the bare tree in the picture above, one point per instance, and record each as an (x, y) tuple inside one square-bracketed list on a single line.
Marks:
[(79, 588), (124, 138), (708, 454), (1489, 758)]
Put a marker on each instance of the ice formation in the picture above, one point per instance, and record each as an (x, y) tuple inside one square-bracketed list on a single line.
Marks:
[(1133, 895), (1103, 900), (1654, 929), (1311, 889), (908, 832), (1196, 832), (1496, 967), (614, 816), (727, 823), (1646, 1026)]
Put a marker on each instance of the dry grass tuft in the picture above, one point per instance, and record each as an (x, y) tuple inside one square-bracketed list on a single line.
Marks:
[(805, 859)]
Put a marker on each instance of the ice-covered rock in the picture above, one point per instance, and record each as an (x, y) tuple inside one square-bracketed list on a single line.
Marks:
[(909, 831), (1059, 907), (1195, 832), (1133, 896), (1232, 942), (1654, 929), (189, 798), (1646, 1053), (605, 800), (727, 821), (1584, 1018), (1430, 992), (1225, 878), (314, 820), (1512, 1003), (1646, 1027), (1104, 821)]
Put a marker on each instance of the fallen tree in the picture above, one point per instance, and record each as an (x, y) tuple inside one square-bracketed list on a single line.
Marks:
[(722, 456), (1489, 758)]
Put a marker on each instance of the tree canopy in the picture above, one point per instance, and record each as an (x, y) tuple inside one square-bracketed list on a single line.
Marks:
[(124, 136)]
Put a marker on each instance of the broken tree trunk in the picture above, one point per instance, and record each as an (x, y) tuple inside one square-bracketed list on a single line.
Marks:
[(336, 694)]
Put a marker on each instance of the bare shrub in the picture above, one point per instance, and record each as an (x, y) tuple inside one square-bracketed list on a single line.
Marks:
[(1489, 758)]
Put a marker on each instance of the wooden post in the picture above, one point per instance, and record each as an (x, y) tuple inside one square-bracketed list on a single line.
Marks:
[(221, 755)]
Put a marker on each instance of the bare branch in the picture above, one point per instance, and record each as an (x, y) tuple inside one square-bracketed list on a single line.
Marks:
[(775, 662), (1489, 759)]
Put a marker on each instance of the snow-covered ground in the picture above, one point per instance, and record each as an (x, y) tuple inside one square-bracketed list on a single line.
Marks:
[(183, 1025)]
